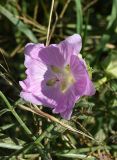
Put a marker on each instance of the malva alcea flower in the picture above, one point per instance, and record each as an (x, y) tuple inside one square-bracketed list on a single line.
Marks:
[(56, 75)]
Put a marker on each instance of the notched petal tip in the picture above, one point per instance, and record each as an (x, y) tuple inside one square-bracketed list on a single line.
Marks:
[(28, 47), (74, 38), (32, 49), (66, 115), (76, 41), (90, 89), (22, 84), (33, 45), (93, 90), (70, 46)]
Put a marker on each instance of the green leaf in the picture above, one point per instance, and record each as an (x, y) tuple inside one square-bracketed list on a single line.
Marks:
[(6, 126), (19, 24), (113, 16), (100, 135), (110, 65)]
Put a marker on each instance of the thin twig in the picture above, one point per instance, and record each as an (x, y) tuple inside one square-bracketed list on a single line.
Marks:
[(29, 20), (50, 18), (89, 5), (64, 8), (16, 50), (36, 10), (53, 28), (58, 18), (2, 52)]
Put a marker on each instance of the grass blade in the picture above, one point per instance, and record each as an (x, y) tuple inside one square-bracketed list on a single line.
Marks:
[(79, 17), (113, 16), (16, 115), (80, 156), (19, 24), (10, 146)]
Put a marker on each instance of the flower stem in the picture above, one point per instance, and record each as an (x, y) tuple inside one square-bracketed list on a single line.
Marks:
[(50, 18)]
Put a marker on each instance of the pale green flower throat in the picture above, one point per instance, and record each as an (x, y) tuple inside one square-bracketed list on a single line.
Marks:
[(63, 76)]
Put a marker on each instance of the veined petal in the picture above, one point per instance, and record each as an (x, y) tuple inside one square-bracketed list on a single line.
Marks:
[(69, 104), (70, 46), (60, 107), (51, 56), (35, 68), (90, 89), (32, 92), (35, 75), (51, 94), (32, 50), (77, 66), (24, 84), (32, 61), (83, 84), (66, 103)]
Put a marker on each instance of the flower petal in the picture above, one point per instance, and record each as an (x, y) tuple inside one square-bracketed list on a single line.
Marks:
[(90, 89), (35, 75), (51, 94), (23, 84), (32, 84), (60, 107), (35, 68), (79, 73), (77, 67), (32, 50), (69, 104), (70, 46), (33, 93), (83, 84), (51, 56)]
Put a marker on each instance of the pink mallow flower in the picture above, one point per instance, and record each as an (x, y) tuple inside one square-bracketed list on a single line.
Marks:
[(56, 75)]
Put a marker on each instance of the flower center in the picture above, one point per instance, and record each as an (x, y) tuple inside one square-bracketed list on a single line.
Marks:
[(67, 79), (63, 76)]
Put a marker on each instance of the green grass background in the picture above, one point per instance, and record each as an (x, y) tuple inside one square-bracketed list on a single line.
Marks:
[(25, 135)]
